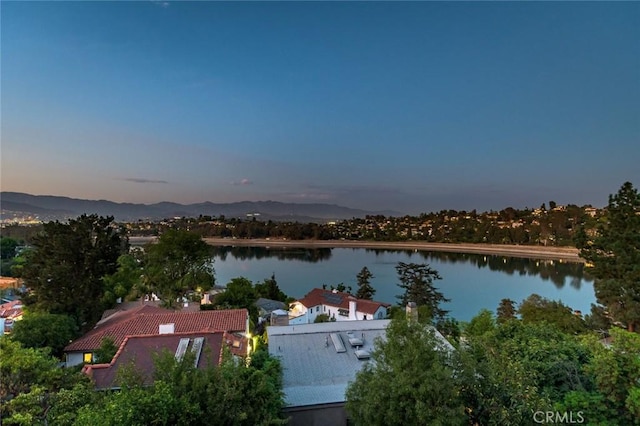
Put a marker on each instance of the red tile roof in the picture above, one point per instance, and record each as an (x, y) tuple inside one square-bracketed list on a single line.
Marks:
[(11, 310), (141, 350), (319, 296), (147, 320)]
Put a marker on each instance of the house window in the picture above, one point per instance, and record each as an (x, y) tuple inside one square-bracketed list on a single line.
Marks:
[(87, 358), (343, 312)]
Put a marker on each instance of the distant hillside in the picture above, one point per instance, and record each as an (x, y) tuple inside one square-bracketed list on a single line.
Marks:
[(52, 207)]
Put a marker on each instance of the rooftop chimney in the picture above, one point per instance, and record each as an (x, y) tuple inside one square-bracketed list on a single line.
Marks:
[(412, 312), (352, 310), (166, 328)]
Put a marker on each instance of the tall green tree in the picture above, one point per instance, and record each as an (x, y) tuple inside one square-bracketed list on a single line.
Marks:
[(125, 282), (614, 256), (7, 247), (365, 289), (64, 270), (480, 324), (179, 262), (417, 282), (239, 293), (269, 289), (506, 311), (409, 382)]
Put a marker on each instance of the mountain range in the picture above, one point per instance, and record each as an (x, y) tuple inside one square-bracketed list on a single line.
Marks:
[(49, 207)]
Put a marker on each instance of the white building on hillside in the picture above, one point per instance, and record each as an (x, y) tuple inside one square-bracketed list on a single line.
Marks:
[(336, 305)]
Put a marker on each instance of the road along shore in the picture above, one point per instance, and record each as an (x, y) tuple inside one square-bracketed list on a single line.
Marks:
[(569, 254)]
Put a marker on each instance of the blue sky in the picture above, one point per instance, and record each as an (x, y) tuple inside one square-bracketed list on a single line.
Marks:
[(406, 106)]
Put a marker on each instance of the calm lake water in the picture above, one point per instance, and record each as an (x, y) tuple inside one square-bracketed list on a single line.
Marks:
[(472, 282)]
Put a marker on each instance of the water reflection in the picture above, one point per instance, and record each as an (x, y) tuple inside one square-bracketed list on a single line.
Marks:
[(556, 271), (280, 253)]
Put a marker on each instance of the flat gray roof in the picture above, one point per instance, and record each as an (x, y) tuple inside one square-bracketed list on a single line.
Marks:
[(313, 372)]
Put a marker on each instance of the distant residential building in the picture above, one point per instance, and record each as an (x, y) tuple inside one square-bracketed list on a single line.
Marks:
[(139, 351), (151, 320), (9, 313), (336, 305), (591, 211), (279, 317), (267, 306)]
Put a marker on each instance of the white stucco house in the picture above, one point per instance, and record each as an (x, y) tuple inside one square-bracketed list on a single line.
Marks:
[(336, 305)]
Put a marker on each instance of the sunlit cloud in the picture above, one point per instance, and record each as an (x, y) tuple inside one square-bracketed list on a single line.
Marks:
[(244, 181)]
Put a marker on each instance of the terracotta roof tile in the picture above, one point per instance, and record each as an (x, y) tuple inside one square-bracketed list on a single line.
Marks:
[(147, 320), (319, 296), (141, 351)]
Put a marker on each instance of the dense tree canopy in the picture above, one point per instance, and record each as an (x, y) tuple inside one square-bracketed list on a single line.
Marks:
[(179, 262), (269, 289), (536, 308), (239, 293), (66, 266), (410, 381), (612, 396), (614, 254), (229, 394), (480, 324), (7, 247), (555, 227), (516, 369), (126, 282), (29, 379), (43, 330), (417, 282)]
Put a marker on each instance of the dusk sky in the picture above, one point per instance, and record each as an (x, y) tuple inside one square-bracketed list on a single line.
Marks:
[(405, 106)]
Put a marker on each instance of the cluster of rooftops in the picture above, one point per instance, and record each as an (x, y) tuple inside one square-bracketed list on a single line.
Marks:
[(318, 359)]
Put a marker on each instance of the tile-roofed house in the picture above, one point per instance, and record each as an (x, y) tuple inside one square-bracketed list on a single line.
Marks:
[(9, 312), (147, 320), (337, 305), (140, 351), (137, 304)]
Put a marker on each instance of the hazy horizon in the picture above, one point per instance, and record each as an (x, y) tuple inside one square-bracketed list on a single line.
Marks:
[(405, 106)]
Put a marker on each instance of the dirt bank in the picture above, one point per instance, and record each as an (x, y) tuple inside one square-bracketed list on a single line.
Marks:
[(535, 252)]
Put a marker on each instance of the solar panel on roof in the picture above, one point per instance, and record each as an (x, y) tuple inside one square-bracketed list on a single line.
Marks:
[(334, 299)]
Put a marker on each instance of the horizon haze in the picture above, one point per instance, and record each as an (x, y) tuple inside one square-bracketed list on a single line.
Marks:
[(406, 106)]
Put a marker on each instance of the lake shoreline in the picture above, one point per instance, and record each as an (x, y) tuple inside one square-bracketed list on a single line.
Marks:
[(569, 254)]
